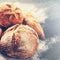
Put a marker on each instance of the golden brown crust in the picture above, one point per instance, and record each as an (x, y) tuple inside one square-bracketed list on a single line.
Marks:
[(33, 23), (10, 15), (19, 43)]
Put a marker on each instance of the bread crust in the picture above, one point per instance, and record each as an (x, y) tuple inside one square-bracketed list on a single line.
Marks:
[(20, 41), (10, 15)]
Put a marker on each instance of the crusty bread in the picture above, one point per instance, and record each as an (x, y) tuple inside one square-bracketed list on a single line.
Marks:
[(19, 41), (10, 15), (31, 21)]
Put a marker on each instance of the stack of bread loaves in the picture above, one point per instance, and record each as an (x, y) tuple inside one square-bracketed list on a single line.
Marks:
[(18, 32)]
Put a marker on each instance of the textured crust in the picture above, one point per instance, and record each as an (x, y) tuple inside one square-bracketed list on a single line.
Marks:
[(19, 42), (31, 21), (10, 15)]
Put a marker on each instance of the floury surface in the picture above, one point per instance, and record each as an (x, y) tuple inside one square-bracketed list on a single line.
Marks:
[(47, 13)]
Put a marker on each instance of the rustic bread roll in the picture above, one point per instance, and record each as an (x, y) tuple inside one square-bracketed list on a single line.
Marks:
[(10, 15), (19, 41), (31, 21)]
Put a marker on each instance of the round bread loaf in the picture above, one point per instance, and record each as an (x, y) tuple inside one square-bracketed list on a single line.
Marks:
[(19, 41), (10, 15)]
